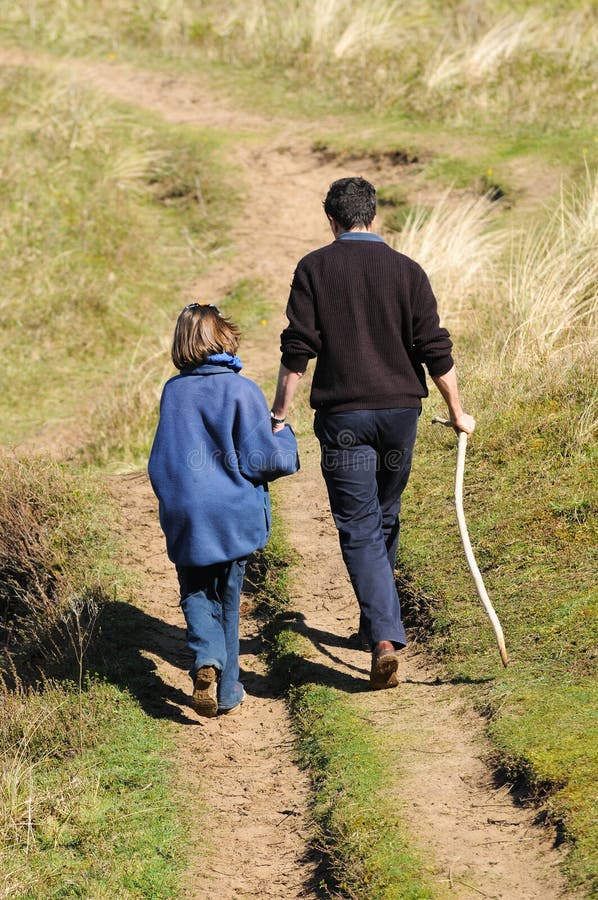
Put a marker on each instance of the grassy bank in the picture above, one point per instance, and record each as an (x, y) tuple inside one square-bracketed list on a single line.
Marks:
[(86, 296), (530, 518), (88, 190), (87, 795), (526, 354), (91, 820)]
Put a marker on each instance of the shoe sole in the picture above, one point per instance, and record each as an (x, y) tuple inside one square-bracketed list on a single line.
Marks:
[(384, 672), (205, 692)]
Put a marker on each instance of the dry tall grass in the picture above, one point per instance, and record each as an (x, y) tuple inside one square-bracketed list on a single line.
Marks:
[(528, 299), (317, 29), (55, 563), (553, 283), (458, 244), (548, 286), (444, 60), (475, 51)]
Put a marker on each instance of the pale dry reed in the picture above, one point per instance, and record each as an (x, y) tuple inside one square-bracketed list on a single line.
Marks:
[(553, 282), (458, 245), (476, 53), (478, 56), (338, 29), (131, 168)]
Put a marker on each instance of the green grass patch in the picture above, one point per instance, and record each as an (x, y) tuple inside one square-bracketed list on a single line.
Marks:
[(88, 802), (371, 853), (107, 214), (247, 305), (92, 821), (528, 498)]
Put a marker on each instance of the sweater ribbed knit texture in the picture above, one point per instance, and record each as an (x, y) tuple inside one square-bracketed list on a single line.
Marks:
[(370, 317)]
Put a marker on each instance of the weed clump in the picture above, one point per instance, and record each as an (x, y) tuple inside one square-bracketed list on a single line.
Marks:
[(55, 563)]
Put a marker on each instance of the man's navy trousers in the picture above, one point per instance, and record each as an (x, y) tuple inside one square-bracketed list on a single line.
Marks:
[(366, 460)]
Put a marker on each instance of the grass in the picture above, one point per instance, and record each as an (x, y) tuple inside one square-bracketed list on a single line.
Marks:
[(503, 69), (87, 798), (536, 553), (247, 305), (89, 190), (86, 297), (457, 247), (94, 822), (552, 288), (371, 853), (367, 850), (526, 357)]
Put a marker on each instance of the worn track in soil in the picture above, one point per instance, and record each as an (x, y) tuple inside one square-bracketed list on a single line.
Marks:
[(252, 810)]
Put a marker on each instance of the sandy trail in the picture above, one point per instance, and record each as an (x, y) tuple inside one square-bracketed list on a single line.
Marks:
[(254, 798), (478, 839), (251, 796)]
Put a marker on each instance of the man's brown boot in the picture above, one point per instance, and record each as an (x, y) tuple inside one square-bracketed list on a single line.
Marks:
[(385, 664)]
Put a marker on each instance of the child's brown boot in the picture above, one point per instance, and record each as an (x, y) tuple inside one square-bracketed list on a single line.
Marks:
[(205, 697)]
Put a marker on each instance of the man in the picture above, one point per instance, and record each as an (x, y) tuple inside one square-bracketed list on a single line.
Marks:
[(369, 316)]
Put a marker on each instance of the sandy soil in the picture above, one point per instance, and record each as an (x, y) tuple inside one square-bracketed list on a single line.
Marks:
[(253, 799), (478, 838), (239, 769)]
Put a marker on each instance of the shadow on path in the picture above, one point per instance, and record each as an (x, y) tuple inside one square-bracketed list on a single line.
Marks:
[(125, 635)]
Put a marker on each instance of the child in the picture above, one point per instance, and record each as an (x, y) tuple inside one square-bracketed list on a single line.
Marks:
[(212, 456)]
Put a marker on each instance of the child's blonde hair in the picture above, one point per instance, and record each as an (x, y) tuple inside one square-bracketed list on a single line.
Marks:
[(200, 331)]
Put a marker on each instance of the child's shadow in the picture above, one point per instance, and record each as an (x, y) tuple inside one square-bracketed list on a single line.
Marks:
[(124, 637)]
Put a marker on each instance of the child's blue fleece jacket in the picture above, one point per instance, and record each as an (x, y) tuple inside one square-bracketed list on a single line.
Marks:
[(212, 455)]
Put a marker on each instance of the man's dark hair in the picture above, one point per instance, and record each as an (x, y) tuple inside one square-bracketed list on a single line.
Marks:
[(351, 202)]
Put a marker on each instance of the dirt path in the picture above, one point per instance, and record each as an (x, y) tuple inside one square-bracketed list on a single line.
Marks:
[(479, 841), (254, 795), (251, 797)]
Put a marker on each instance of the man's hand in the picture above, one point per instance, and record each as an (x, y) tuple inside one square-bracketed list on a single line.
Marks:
[(278, 427), (447, 385), (464, 422)]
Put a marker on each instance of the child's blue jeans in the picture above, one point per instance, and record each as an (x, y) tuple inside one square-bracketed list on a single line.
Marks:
[(210, 600)]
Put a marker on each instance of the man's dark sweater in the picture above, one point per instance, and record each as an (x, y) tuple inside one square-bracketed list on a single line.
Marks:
[(369, 316)]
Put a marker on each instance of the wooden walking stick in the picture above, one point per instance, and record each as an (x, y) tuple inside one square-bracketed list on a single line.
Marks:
[(473, 566)]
